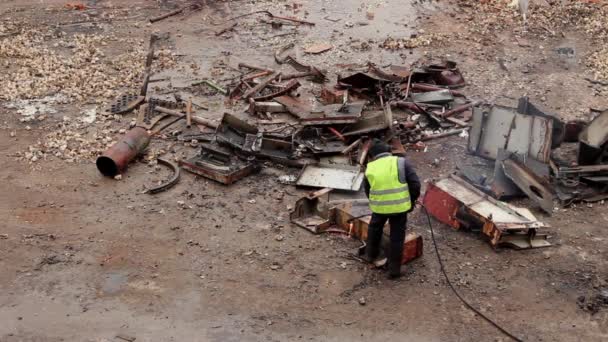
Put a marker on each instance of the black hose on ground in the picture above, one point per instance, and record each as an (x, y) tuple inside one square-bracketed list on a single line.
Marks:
[(503, 330)]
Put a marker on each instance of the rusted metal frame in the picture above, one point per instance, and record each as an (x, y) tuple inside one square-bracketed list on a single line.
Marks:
[(290, 86), (253, 91), (216, 175), (169, 183), (450, 210), (484, 196)]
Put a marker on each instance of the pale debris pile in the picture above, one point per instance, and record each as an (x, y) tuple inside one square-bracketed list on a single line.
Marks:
[(598, 62), (412, 42), (72, 142), (43, 70), (75, 67), (492, 17)]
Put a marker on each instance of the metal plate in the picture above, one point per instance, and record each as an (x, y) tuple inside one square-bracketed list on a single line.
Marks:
[(502, 127), (126, 103), (335, 176)]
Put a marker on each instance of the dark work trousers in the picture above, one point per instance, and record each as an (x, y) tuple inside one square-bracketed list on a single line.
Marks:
[(398, 224)]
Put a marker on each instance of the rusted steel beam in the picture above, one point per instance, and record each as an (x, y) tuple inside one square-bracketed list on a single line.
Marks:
[(115, 160), (251, 92), (290, 86), (189, 113), (459, 109)]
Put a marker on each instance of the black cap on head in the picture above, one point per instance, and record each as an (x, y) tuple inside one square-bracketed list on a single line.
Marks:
[(378, 147)]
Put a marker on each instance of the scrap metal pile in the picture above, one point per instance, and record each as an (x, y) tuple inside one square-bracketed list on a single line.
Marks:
[(327, 133), (330, 129), (530, 148)]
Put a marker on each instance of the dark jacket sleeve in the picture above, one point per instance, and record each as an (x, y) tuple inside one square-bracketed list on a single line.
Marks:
[(366, 186), (413, 182)]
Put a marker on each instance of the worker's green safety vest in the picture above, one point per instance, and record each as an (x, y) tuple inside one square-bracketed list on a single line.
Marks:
[(387, 194)]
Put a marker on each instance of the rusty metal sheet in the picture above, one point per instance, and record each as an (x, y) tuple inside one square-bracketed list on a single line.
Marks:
[(502, 127), (460, 205)]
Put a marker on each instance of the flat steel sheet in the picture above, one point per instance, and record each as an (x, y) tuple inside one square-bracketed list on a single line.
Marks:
[(336, 176)]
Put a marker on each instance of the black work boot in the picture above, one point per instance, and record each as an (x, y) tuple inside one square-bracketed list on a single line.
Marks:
[(394, 270)]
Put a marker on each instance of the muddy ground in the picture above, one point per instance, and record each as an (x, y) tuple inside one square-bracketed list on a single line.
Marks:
[(87, 258)]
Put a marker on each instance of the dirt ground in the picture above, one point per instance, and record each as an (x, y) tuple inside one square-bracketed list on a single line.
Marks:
[(88, 258)]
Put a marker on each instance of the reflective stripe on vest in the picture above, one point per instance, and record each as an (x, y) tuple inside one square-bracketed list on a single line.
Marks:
[(387, 195)]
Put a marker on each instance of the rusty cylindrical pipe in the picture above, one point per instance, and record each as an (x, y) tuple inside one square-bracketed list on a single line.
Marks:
[(115, 159)]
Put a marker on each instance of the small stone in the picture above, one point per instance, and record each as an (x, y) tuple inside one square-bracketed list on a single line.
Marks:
[(118, 177), (274, 267), (362, 301), (279, 237), (251, 201)]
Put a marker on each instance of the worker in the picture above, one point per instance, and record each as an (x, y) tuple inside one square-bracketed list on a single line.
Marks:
[(392, 186)]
